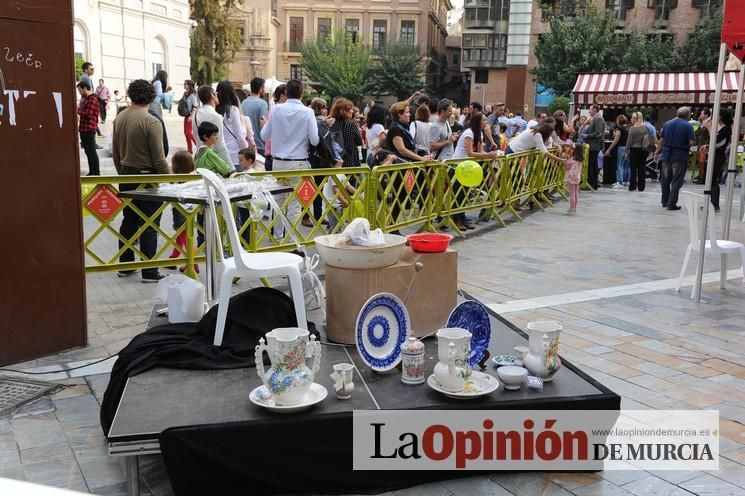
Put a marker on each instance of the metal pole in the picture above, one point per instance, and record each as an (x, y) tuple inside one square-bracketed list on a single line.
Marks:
[(732, 167), (696, 294), (133, 475), (742, 195)]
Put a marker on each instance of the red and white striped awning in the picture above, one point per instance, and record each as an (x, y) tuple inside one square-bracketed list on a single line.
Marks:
[(652, 88)]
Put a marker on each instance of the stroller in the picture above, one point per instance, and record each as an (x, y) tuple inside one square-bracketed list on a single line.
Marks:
[(651, 169)]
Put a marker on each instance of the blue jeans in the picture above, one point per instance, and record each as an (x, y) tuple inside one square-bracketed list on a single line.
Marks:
[(623, 172), (672, 175)]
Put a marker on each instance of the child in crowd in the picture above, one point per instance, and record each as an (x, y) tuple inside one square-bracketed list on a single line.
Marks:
[(206, 157), (247, 161), (181, 163), (383, 157), (336, 198), (572, 174)]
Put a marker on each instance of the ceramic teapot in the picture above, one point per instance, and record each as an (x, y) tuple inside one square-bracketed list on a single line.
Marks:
[(288, 378), (453, 347), (541, 357)]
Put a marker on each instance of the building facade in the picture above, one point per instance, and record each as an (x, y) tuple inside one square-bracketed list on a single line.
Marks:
[(499, 38), (133, 39), (455, 87), (418, 22), (257, 54)]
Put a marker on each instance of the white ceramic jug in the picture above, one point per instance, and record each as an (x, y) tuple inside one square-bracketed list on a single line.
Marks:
[(288, 378), (453, 347), (541, 358)]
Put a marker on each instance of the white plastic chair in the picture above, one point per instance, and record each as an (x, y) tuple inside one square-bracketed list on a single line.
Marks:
[(244, 264), (694, 203)]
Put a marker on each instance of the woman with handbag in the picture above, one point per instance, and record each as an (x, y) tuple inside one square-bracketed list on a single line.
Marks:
[(160, 83), (343, 113), (190, 105), (234, 130), (419, 130), (637, 149)]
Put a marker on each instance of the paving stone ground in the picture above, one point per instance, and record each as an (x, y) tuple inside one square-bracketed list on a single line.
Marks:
[(605, 274)]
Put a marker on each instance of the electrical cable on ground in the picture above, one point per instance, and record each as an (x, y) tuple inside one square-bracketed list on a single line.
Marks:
[(3, 369)]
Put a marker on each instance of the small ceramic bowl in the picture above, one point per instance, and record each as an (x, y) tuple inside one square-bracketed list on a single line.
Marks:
[(503, 360), (512, 377)]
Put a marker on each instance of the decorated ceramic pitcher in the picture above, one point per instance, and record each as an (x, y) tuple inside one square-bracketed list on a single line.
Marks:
[(288, 378), (453, 347), (541, 357)]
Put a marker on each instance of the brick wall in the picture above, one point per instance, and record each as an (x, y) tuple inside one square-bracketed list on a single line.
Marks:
[(682, 19), (491, 92)]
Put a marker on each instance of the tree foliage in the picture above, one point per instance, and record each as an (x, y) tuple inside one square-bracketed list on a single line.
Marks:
[(638, 52), (584, 44), (701, 49), (215, 39), (559, 103), (399, 71), (340, 64), (78, 67), (590, 43)]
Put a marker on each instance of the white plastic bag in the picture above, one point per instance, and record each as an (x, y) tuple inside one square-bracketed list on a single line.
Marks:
[(184, 297), (358, 231), (313, 290)]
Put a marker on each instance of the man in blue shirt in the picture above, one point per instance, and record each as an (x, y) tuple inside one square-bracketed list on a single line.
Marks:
[(255, 108), (519, 123), (650, 127), (672, 154)]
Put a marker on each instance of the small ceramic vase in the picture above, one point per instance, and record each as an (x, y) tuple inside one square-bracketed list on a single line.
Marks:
[(412, 361), (343, 380)]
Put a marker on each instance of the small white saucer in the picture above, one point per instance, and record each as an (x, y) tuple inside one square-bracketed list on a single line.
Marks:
[(263, 398), (480, 384)]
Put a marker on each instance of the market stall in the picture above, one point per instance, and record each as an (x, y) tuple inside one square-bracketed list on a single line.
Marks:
[(657, 94), (664, 91)]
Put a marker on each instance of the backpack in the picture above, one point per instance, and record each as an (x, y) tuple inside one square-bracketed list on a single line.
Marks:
[(324, 150), (167, 101), (338, 138), (183, 108)]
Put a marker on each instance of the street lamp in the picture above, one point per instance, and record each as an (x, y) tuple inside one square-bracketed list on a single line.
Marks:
[(255, 64)]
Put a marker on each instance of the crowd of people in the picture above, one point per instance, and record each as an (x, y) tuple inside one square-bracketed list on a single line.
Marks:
[(228, 131)]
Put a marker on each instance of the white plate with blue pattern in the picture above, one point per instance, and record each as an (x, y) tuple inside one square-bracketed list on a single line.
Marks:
[(383, 325), (473, 317)]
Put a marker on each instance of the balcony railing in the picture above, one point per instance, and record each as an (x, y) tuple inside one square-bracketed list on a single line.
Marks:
[(291, 46), (484, 57), (569, 8)]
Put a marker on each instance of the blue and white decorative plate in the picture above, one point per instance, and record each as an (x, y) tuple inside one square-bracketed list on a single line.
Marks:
[(382, 327), (473, 317)]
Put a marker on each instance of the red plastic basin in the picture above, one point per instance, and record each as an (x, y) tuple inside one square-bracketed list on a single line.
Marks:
[(429, 242)]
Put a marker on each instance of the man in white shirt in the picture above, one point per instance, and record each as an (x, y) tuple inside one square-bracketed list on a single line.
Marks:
[(207, 113), (292, 128)]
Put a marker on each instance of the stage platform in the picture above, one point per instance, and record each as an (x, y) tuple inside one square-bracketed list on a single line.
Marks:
[(213, 405)]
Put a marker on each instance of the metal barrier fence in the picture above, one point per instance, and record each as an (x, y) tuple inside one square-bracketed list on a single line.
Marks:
[(423, 195)]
